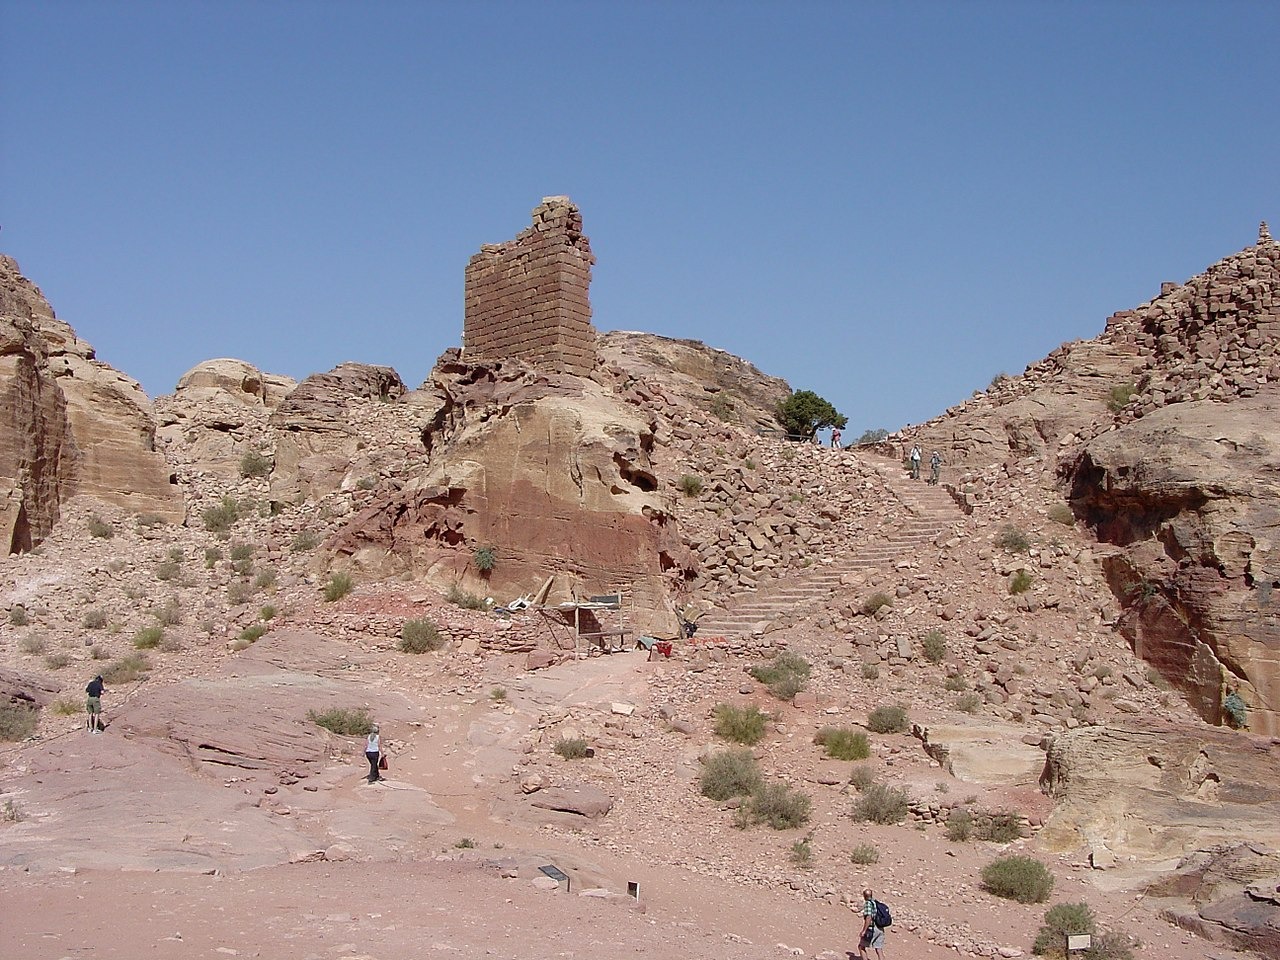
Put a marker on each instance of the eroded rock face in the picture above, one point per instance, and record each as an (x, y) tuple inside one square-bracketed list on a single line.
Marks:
[(710, 379), (219, 411), (1160, 793), (550, 471), (70, 425), (315, 443), (1188, 492)]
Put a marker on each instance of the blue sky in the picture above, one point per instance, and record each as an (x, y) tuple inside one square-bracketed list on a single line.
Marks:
[(886, 203)]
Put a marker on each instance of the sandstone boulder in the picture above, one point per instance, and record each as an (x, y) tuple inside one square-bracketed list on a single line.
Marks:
[(581, 799)]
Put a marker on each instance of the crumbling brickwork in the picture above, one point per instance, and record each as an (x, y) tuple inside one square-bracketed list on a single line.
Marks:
[(528, 298)]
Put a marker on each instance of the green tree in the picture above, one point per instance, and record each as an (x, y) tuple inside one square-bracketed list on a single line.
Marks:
[(804, 413)]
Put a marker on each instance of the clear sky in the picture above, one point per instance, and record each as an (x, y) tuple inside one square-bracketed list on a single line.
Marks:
[(887, 203)]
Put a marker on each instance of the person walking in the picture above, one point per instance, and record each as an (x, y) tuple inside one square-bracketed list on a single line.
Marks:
[(93, 704), (915, 461), (935, 467), (835, 438), (872, 934), (373, 753)]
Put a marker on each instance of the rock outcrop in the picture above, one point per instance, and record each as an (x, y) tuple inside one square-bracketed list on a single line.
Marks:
[(730, 388), (552, 473), (71, 425)]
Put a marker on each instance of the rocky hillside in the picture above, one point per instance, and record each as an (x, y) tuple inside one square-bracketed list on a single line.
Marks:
[(1163, 433)]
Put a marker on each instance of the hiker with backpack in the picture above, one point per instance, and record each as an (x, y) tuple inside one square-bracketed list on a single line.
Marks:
[(93, 705), (875, 917)]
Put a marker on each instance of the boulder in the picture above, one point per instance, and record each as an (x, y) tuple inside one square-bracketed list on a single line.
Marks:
[(582, 799)]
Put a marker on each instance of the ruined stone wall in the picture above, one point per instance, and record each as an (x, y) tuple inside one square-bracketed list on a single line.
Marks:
[(1215, 337), (528, 298)]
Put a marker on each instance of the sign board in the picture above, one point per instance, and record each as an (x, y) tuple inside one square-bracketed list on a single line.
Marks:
[(633, 889), (1079, 941), (556, 874)]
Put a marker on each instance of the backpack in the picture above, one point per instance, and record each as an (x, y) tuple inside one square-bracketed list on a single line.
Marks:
[(883, 917)]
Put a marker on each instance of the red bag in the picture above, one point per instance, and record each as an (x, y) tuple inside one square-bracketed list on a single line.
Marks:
[(382, 762)]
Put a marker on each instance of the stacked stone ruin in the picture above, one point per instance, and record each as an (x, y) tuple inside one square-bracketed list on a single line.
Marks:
[(527, 298), (1214, 337)]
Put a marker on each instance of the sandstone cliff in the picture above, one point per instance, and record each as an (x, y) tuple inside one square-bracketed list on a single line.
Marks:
[(71, 425)]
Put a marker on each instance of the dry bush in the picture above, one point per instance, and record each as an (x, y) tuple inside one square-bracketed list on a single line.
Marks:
[(875, 602), (862, 776), (17, 721), (777, 805), (420, 636), (881, 804), (94, 620), (842, 743), (101, 528), (729, 773), (743, 725), (148, 638), (888, 718), (1015, 877), (572, 748), (344, 721), (864, 855), (128, 668), (934, 646)]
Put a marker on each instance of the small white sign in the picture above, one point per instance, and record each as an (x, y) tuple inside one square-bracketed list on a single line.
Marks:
[(1079, 941)]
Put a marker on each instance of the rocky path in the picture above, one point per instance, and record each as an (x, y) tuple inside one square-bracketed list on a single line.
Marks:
[(920, 513)]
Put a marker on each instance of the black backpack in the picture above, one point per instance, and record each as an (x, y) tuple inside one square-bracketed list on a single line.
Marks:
[(883, 917)]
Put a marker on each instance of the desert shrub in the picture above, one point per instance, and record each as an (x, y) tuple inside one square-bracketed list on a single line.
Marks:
[(170, 615), (254, 464), (778, 805), (56, 661), (959, 825), (241, 553), (265, 580), (148, 638), (97, 653), (1235, 710), (871, 436), (33, 644), (485, 559), (864, 854), (689, 485), (101, 528), (339, 585), (344, 721), (304, 541), (571, 748), (211, 556), (743, 725), (221, 517), (366, 483), (888, 718), (722, 408), (998, 380), (238, 593), (420, 636), (1060, 920), (1012, 539), (968, 702), (17, 721), (66, 707), (148, 521), (729, 773), (1110, 945), (1061, 513), (267, 612), (18, 616), (784, 675), (1002, 828), (862, 776), (169, 644), (870, 671), (802, 854), (1017, 877), (875, 602), (253, 633), (498, 694), (881, 804), (934, 646), (956, 683), (1020, 582), (841, 743), (128, 668), (238, 644), (465, 599), (1119, 396)]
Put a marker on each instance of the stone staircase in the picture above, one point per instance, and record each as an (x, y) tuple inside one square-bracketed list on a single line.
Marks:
[(925, 512)]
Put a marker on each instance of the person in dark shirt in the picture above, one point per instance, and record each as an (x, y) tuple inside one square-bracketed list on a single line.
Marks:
[(93, 705)]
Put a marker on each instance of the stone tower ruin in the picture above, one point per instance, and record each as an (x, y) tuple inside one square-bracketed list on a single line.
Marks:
[(528, 298)]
